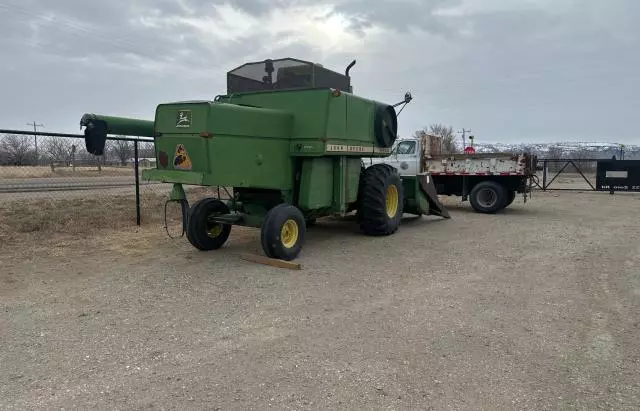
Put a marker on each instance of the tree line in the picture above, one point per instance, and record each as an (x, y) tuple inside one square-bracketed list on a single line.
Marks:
[(20, 150), (445, 132)]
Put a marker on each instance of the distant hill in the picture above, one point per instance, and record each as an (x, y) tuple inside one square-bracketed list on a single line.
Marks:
[(587, 150)]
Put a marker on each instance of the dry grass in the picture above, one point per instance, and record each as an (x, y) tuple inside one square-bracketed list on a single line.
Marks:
[(45, 171), (87, 215)]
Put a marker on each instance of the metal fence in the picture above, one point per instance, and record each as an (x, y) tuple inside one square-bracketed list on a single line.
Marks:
[(568, 174), (601, 174), (49, 183)]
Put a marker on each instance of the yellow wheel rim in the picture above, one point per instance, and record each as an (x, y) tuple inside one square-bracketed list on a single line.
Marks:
[(391, 201), (289, 233), (215, 231)]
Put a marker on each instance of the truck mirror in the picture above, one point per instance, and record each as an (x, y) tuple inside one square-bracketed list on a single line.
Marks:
[(407, 97)]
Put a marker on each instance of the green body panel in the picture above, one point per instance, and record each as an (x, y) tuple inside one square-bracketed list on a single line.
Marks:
[(177, 192), (414, 201), (346, 175), (336, 118), (251, 162), (421, 196), (308, 107), (316, 183), (321, 120), (222, 119), (352, 181), (359, 119), (230, 145), (171, 176), (329, 183)]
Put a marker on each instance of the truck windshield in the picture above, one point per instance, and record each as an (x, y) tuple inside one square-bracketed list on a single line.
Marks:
[(404, 147)]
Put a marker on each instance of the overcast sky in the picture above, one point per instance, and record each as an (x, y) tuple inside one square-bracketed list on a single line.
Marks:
[(510, 70)]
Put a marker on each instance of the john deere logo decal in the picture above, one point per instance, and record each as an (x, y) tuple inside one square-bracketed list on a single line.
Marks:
[(183, 119), (181, 160)]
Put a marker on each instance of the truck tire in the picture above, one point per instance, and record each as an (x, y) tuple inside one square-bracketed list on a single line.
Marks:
[(511, 196), (488, 197), (203, 234), (380, 200), (283, 231)]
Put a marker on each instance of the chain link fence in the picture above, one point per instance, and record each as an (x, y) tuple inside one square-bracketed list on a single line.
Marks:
[(49, 183)]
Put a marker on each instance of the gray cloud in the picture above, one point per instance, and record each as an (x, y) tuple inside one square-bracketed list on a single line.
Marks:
[(539, 70)]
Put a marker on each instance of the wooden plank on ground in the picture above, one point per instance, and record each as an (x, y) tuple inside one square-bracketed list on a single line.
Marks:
[(255, 258)]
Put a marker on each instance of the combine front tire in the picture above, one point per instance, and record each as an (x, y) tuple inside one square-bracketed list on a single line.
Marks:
[(488, 197), (203, 233), (380, 200), (283, 232)]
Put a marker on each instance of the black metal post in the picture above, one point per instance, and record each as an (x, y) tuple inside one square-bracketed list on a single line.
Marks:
[(544, 175), (136, 168)]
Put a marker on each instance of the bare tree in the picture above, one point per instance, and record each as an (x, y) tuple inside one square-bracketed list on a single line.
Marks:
[(585, 160), (147, 150), (447, 135), (17, 149), (59, 149), (122, 150), (554, 153)]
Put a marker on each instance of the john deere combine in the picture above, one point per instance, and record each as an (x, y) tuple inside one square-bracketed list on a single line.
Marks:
[(288, 137)]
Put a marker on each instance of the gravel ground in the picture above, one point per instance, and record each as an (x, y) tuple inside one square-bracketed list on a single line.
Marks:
[(536, 308)]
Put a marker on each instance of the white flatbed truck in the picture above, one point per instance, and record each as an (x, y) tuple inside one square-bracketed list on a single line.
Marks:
[(490, 181)]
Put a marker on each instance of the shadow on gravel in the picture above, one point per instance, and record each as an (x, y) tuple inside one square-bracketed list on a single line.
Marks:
[(515, 209), (330, 228)]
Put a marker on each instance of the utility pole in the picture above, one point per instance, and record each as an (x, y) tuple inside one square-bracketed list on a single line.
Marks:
[(464, 137), (35, 137)]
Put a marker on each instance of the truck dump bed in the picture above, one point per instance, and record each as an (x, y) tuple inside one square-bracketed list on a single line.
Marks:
[(503, 164)]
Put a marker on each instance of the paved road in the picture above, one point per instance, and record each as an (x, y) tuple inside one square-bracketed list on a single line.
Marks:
[(62, 183), (17, 189)]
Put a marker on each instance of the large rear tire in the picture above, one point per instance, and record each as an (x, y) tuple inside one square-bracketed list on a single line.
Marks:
[(488, 197), (380, 200), (283, 232), (511, 196), (203, 234)]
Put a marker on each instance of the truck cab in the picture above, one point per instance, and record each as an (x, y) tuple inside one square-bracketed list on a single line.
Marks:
[(405, 157)]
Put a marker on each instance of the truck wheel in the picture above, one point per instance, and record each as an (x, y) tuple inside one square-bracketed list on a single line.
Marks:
[(283, 231), (380, 200), (202, 233), (488, 197), (511, 196)]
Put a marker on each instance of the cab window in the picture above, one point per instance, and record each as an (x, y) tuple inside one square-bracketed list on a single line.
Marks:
[(405, 147)]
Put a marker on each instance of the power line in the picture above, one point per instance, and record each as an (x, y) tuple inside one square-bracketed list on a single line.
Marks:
[(464, 136), (35, 136)]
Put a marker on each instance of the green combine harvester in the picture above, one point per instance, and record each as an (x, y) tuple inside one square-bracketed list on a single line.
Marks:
[(289, 137)]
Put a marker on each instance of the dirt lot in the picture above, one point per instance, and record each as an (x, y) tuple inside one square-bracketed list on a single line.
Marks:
[(536, 308)]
